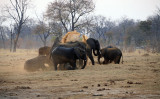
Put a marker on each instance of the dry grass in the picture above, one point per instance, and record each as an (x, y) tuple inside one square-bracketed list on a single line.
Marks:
[(137, 77)]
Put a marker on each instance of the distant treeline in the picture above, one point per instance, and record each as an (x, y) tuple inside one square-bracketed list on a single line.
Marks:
[(62, 17)]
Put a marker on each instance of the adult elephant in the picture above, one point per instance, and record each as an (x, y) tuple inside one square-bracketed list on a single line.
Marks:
[(81, 45), (110, 54), (63, 55), (94, 47)]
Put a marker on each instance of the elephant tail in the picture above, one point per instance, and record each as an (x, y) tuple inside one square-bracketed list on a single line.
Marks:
[(122, 59)]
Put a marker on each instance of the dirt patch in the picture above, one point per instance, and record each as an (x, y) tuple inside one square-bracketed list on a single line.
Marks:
[(145, 55)]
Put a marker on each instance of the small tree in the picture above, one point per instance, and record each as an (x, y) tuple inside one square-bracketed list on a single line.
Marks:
[(43, 32)]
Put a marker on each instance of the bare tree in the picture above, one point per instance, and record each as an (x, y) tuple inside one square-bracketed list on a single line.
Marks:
[(102, 29), (124, 25), (56, 29), (99, 22), (43, 32), (42, 29), (154, 27), (69, 12), (17, 12)]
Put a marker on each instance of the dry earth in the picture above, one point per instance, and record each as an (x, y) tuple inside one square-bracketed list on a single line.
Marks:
[(137, 78)]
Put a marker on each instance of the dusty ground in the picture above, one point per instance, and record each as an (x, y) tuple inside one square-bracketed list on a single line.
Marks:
[(137, 78)]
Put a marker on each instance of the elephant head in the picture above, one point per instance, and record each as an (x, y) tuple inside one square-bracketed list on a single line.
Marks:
[(94, 45), (97, 48), (80, 54)]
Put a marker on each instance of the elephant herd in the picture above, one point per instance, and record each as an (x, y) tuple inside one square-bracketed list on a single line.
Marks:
[(66, 55)]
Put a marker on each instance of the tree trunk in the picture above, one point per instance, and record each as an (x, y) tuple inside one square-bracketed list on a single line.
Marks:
[(11, 42), (2, 37), (72, 22), (16, 40), (15, 44), (44, 42)]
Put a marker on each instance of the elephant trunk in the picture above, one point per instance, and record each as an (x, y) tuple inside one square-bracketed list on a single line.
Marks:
[(85, 61), (98, 52), (94, 52), (99, 56), (84, 65)]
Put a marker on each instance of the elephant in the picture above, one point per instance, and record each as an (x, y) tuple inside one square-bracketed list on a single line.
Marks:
[(37, 63), (94, 45), (82, 45), (44, 50), (110, 54), (79, 44), (63, 55)]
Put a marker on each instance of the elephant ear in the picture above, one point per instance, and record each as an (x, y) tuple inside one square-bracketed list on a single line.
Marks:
[(97, 44), (77, 53)]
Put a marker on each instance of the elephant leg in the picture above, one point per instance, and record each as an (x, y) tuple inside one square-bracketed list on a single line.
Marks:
[(105, 61), (89, 54), (55, 66), (79, 63), (110, 61), (91, 58), (73, 64), (119, 60), (94, 52), (67, 66), (116, 60), (61, 66)]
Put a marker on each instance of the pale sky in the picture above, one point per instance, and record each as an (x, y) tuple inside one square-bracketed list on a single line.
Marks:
[(114, 9)]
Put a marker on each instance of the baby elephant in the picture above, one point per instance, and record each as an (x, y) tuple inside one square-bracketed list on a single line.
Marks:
[(37, 63), (62, 55), (110, 54)]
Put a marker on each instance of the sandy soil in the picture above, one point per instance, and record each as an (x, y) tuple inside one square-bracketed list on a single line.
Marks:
[(137, 78)]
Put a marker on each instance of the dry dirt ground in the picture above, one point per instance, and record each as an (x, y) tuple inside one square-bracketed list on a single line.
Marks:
[(137, 78)]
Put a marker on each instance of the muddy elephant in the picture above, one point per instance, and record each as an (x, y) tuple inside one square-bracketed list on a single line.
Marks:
[(63, 55), (110, 54), (37, 63), (44, 50)]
